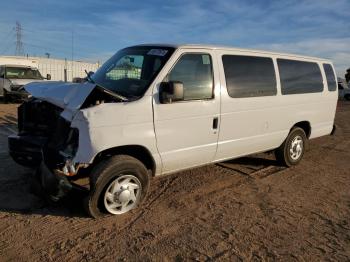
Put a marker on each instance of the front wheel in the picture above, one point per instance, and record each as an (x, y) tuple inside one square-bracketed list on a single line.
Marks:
[(292, 150), (117, 185)]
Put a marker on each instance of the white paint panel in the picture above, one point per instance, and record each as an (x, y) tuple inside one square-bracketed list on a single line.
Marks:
[(115, 124), (250, 125), (184, 132)]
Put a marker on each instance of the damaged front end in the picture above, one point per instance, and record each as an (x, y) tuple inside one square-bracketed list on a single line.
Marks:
[(38, 122), (47, 141)]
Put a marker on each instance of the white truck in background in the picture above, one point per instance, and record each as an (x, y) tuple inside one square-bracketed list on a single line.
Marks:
[(13, 78)]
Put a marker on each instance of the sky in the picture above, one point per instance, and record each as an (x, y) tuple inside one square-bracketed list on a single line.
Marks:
[(92, 30)]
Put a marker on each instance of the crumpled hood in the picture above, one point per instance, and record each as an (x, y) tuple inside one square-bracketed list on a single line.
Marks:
[(69, 96)]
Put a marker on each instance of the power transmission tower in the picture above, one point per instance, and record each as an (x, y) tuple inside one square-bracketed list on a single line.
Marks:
[(19, 43)]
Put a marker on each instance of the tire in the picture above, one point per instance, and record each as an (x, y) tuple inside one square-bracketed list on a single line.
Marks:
[(297, 142), (118, 178), (7, 97), (347, 97)]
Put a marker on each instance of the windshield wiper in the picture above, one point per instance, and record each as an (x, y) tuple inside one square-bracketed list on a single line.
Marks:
[(88, 76), (112, 93)]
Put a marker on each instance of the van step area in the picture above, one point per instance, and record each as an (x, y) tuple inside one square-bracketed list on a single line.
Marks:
[(254, 167)]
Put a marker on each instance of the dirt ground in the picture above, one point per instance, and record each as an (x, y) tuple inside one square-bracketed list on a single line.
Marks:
[(246, 209)]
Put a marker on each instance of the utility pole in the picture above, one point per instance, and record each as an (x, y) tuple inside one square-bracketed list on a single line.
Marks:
[(19, 43)]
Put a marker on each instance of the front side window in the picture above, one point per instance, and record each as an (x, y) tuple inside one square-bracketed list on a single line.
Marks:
[(332, 84), (131, 70), (299, 77), (196, 74), (249, 76), (22, 73)]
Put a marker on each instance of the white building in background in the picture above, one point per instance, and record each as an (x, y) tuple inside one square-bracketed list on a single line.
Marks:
[(59, 69)]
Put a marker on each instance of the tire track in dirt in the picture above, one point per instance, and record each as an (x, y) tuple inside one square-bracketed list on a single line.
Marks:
[(258, 173), (150, 203), (236, 210), (87, 230)]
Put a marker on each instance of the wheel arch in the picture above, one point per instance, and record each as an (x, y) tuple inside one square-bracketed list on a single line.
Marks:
[(139, 152), (305, 125)]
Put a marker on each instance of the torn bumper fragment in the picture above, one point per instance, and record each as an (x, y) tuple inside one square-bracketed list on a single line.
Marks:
[(55, 186)]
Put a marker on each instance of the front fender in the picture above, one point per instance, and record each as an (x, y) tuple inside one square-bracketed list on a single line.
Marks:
[(114, 125)]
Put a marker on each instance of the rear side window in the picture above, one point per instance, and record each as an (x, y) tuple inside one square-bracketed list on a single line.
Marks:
[(298, 77), (249, 76), (332, 84)]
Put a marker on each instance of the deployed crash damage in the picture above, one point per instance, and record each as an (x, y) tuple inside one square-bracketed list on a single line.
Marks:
[(64, 128), (46, 132)]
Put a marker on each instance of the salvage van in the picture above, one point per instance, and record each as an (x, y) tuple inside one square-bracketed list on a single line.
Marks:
[(152, 110)]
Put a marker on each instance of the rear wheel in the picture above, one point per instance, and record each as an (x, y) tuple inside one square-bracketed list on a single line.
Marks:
[(292, 150), (117, 185)]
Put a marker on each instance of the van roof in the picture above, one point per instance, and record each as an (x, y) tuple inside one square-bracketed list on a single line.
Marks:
[(228, 48)]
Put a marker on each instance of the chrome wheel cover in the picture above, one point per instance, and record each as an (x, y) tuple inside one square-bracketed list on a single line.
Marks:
[(122, 194), (296, 148)]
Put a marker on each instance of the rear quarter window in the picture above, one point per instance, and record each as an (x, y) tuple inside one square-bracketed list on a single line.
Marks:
[(330, 76), (299, 77), (249, 76)]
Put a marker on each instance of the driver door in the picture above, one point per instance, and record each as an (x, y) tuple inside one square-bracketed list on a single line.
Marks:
[(187, 130)]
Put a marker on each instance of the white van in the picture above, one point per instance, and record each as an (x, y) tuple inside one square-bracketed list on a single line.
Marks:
[(152, 110)]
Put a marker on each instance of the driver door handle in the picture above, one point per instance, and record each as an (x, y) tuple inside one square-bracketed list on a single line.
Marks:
[(215, 123)]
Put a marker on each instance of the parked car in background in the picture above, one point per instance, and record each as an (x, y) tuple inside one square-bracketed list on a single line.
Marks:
[(153, 110), (13, 78), (344, 90)]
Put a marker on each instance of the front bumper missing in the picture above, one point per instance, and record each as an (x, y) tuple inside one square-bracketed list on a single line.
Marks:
[(55, 186)]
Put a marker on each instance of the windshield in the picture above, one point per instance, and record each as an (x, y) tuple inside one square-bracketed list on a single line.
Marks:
[(131, 70), (23, 73)]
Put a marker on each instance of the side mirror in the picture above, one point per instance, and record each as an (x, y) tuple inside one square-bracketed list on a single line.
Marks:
[(171, 91), (90, 74), (48, 77)]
